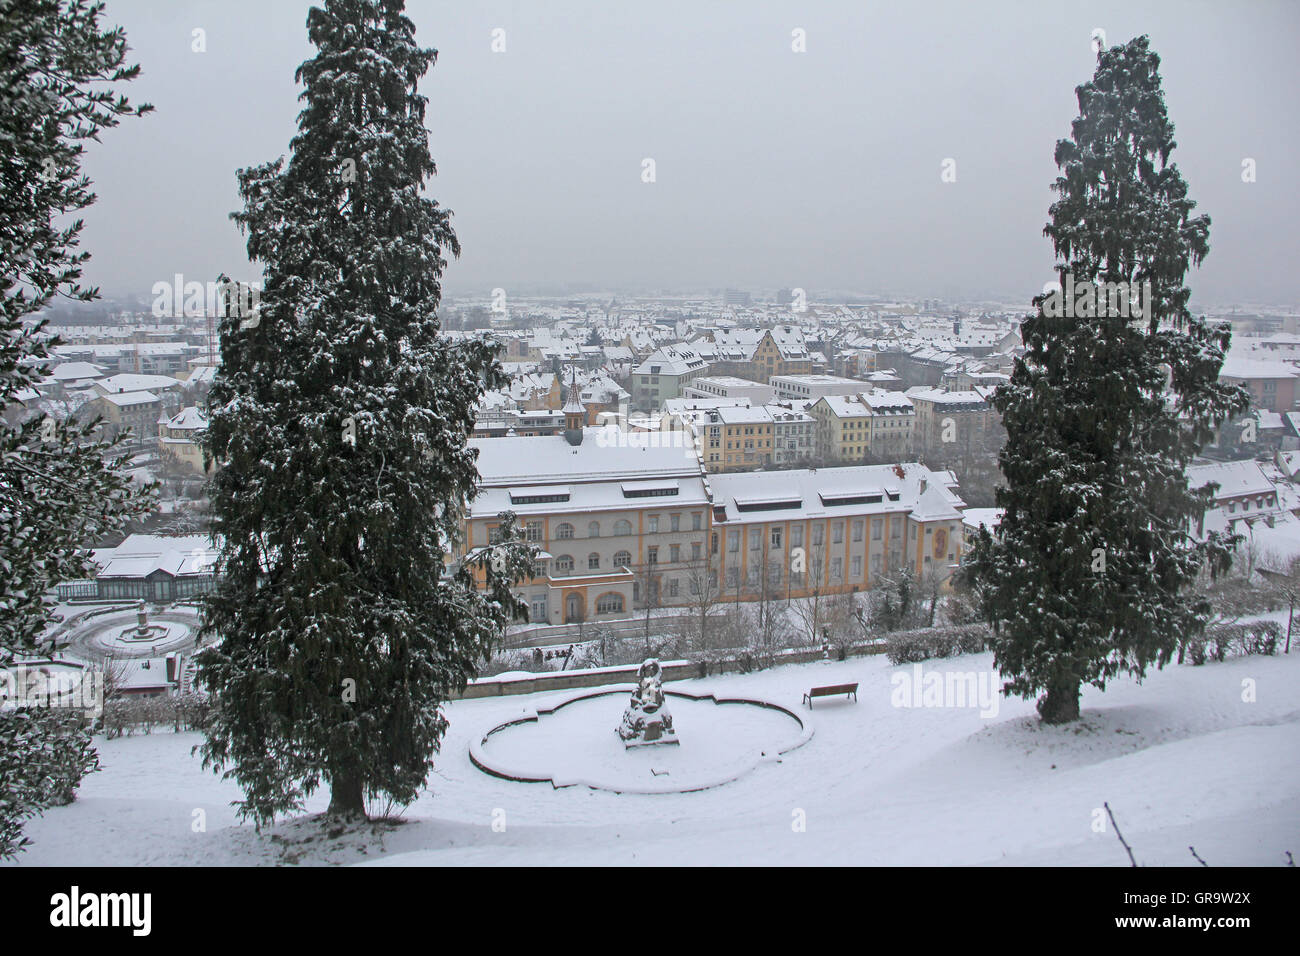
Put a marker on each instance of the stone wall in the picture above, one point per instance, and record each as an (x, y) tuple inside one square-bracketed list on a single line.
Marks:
[(503, 686)]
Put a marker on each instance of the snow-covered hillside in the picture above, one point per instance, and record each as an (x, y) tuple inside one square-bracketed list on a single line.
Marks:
[(1182, 760)]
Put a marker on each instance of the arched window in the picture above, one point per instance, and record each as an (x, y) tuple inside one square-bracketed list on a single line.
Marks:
[(593, 561), (593, 530), (622, 559), (610, 603), (564, 531), (564, 563), (622, 527)]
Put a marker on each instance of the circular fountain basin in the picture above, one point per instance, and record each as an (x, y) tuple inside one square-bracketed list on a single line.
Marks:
[(118, 634), (150, 633), (575, 743)]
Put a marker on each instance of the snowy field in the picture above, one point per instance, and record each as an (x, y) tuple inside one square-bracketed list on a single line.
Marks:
[(1181, 759)]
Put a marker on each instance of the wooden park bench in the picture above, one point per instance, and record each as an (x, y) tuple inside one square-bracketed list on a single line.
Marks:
[(832, 691)]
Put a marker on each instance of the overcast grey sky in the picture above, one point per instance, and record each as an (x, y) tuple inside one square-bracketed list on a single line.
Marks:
[(774, 168)]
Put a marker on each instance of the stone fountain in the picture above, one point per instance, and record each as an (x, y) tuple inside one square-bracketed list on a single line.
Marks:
[(143, 630)]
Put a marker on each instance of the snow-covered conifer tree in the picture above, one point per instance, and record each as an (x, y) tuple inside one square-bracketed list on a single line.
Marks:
[(1087, 575), (339, 423), (61, 487)]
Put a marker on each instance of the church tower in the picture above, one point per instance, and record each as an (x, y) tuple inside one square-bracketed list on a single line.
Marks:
[(574, 414)]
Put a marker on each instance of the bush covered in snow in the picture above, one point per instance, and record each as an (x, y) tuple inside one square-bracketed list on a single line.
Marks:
[(911, 647), (1234, 597), (124, 715), (1217, 643), (44, 753)]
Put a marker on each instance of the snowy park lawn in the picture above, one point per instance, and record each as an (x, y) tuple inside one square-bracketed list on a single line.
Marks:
[(1181, 759)]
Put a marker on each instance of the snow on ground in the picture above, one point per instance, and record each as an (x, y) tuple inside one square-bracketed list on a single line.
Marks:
[(1181, 759)]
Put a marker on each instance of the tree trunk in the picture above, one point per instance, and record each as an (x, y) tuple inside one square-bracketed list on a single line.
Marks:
[(1060, 705), (347, 798), (1289, 618)]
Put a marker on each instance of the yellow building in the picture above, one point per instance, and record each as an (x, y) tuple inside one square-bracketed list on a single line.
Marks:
[(781, 351), (735, 438), (875, 425), (619, 517), (758, 354), (626, 519), (843, 431), (138, 411), (177, 439), (792, 534)]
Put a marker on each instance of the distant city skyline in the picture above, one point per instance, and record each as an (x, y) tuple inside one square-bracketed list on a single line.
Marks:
[(773, 168)]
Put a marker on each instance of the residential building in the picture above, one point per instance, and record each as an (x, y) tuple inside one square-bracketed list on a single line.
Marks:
[(951, 426), (792, 534), (1272, 384), (843, 428), (177, 439), (138, 411), (735, 437), (663, 374), (871, 426), (893, 419), (794, 436), (618, 516), (728, 386), (758, 354), (812, 387)]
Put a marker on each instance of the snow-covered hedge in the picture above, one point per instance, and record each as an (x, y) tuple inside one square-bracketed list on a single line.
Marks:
[(123, 715), (44, 753), (911, 647), (1217, 643)]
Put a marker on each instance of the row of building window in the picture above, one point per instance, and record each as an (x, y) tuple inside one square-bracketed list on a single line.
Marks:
[(185, 587), (565, 563), (622, 528), (610, 603), (858, 527), (1260, 502)]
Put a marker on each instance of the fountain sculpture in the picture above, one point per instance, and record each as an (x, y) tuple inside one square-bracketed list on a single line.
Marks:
[(647, 720), (143, 630)]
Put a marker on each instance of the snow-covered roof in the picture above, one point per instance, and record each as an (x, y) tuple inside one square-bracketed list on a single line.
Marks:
[(605, 453), (1246, 368), (76, 371), (187, 419), (832, 492), (671, 360), (142, 673), (981, 517), (142, 554), (742, 415), (1234, 478), (131, 382), (1289, 462), (1276, 546), (934, 505), (782, 415), (882, 401), (816, 379), (125, 399), (844, 406), (942, 396), (727, 381)]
